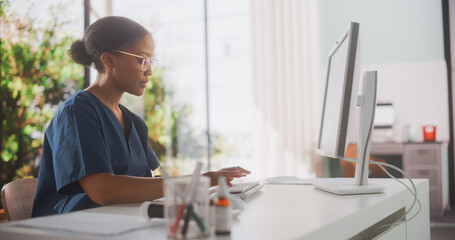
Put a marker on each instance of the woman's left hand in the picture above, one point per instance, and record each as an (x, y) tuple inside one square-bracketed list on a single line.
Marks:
[(229, 173)]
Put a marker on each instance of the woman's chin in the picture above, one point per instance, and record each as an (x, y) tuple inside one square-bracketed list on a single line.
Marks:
[(137, 92)]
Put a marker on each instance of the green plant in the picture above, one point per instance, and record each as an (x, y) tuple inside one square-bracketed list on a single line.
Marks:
[(161, 117), (171, 135), (36, 76)]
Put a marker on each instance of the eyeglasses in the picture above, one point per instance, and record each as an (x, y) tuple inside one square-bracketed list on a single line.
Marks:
[(146, 61)]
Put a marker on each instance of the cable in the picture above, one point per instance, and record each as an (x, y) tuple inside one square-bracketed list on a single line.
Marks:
[(416, 199), (381, 164), (414, 193)]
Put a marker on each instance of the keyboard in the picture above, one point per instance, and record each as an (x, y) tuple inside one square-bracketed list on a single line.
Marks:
[(242, 187), (242, 190), (249, 193)]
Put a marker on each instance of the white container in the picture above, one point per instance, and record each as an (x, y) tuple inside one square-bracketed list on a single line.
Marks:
[(176, 208)]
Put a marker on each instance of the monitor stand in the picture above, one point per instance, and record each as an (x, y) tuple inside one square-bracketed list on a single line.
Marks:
[(359, 185), (348, 187)]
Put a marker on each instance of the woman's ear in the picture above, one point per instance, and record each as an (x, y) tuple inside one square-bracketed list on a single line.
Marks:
[(107, 60)]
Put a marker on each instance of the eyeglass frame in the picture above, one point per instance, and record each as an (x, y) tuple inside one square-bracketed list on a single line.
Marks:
[(144, 59)]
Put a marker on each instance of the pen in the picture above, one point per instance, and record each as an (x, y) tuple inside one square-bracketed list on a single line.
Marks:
[(175, 226), (198, 221), (189, 211), (191, 195)]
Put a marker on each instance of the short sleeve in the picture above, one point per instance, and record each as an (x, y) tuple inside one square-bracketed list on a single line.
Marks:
[(152, 160), (78, 147)]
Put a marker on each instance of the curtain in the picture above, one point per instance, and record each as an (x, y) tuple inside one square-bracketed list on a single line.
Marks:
[(286, 87)]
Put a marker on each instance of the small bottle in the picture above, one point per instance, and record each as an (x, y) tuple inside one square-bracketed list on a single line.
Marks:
[(223, 209)]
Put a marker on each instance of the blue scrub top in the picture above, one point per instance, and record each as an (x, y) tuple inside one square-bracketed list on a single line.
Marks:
[(83, 138)]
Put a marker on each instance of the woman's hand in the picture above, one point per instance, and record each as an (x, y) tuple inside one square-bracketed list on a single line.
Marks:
[(229, 173)]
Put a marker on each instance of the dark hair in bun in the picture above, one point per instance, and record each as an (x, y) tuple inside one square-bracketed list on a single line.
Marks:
[(105, 35), (79, 54)]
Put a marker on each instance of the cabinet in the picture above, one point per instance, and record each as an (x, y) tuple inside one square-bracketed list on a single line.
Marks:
[(429, 160), (422, 160)]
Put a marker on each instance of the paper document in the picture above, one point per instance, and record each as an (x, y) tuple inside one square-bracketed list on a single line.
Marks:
[(90, 223)]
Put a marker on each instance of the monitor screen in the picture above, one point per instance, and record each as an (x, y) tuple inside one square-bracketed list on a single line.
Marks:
[(334, 99), (340, 96)]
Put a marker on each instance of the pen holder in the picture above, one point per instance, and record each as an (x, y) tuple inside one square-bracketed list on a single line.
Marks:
[(186, 220)]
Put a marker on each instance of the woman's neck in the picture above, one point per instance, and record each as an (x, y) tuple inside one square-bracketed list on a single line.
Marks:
[(106, 92)]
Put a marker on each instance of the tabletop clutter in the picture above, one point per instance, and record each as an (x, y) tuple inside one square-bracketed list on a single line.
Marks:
[(189, 212)]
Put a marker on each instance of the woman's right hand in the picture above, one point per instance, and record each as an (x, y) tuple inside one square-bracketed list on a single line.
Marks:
[(230, 173)]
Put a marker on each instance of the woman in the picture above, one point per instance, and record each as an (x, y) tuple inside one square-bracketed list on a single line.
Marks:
[(95, 150)]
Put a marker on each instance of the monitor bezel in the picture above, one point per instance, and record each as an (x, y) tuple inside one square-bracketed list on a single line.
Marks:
[(349, 96)]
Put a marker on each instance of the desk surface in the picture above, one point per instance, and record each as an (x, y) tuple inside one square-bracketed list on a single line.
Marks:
[(284, 212)]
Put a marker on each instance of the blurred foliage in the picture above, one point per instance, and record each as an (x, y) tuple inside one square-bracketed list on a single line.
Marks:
[(171, 136), (161, 117), (36, 75)]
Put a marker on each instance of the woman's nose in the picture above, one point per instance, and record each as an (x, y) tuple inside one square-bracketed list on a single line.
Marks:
[(148, 72)]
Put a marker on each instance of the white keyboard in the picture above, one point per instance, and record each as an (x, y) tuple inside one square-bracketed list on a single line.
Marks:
[(246, 195), (242, 187), (242, 190)]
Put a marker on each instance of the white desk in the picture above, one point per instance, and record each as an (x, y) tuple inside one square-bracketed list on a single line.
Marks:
[(288, 212)]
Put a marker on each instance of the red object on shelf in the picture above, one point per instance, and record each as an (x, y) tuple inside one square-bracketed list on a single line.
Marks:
[(429, 133)]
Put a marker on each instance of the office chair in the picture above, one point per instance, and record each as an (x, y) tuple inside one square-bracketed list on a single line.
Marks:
[(17, 198)]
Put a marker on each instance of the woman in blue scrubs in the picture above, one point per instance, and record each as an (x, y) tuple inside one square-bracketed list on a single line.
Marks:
[(96, 151)]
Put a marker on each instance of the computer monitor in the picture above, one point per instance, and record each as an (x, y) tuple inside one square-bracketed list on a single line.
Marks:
[(340, 99), (339, 113)]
